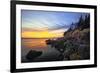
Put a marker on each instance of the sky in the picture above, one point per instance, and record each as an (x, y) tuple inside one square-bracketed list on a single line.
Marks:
[(46, 24)]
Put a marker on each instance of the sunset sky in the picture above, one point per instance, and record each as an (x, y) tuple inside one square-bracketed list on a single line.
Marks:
[(46, 24)]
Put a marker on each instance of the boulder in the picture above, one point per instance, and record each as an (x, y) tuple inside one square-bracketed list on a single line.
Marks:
[(32, 54)]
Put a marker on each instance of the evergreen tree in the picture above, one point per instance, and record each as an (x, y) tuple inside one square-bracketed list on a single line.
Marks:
[(81, 21), (86, 22)]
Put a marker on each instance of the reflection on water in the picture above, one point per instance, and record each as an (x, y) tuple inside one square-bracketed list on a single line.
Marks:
[(34, 43), (48, 53)]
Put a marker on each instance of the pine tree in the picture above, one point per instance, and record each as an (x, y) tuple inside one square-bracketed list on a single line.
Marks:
[(81, 21), (86, 22)]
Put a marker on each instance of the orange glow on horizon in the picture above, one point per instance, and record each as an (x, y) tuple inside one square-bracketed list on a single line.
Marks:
[(40, 34)]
